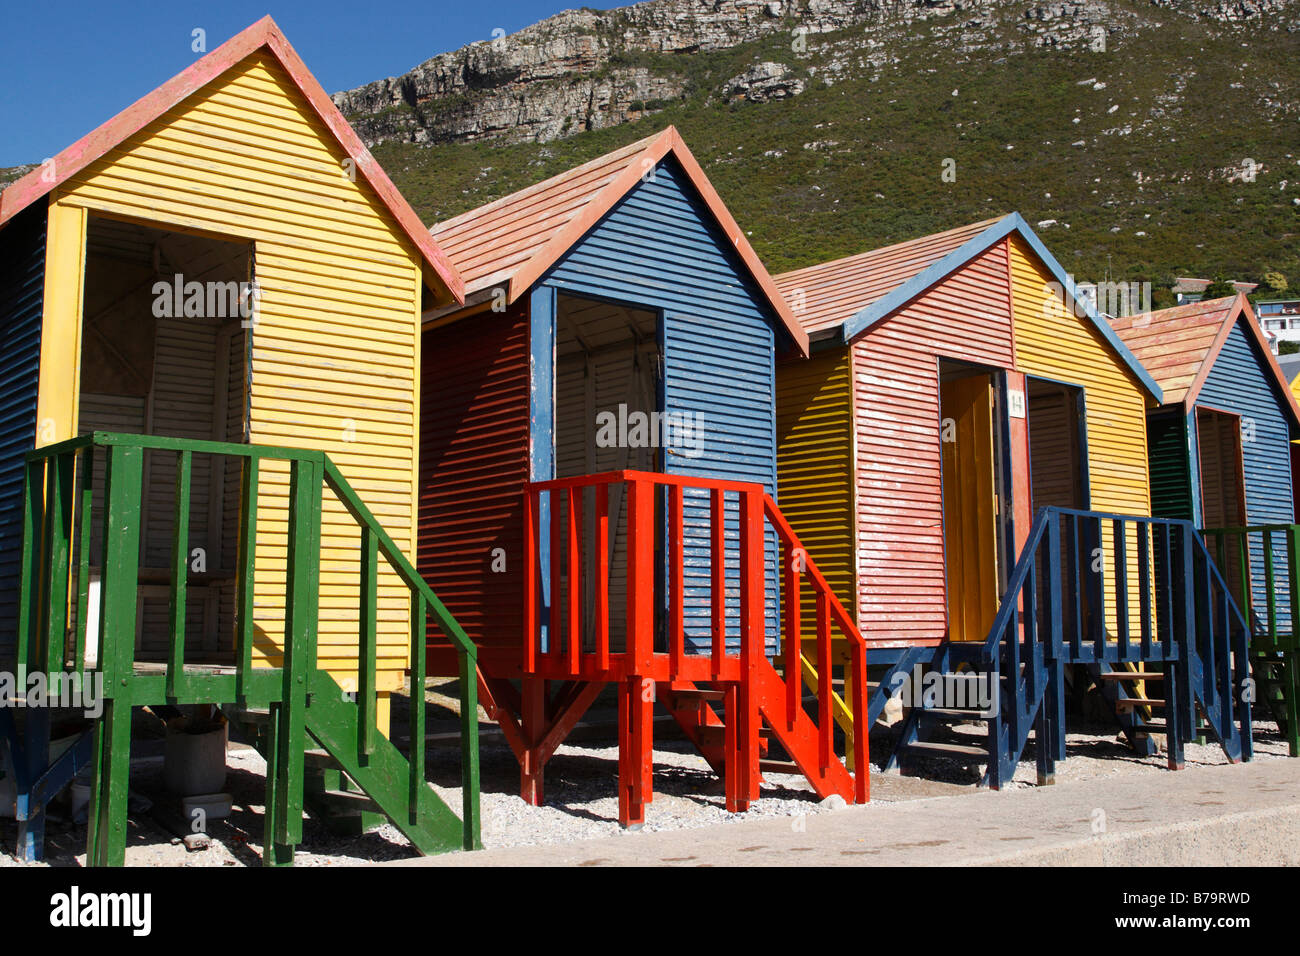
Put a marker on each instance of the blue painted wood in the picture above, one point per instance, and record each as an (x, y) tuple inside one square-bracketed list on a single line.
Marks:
[(660, 249), (22, 282), (541, 429), (1242, 382)]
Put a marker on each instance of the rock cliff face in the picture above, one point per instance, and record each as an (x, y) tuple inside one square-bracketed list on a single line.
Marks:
[(584, 69)]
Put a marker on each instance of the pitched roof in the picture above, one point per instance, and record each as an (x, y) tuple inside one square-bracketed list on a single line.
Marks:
[(854, 293), (262, 35), (1180, 345), (513, 241), (832, 291)]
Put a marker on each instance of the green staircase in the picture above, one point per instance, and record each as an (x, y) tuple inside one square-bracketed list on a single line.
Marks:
[(309, 719), (1265, 565)]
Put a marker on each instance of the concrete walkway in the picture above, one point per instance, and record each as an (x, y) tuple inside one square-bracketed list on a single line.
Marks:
[(1248, 814)]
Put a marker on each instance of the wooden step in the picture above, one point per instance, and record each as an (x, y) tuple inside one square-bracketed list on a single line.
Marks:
[(778, 766), (963, 752), (952, 714), (1130, 675), (697, 696), (1128, 703), (319, 759)]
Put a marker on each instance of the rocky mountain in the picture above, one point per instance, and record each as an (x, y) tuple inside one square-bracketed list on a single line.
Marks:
[(1145, 139), (584, 70)]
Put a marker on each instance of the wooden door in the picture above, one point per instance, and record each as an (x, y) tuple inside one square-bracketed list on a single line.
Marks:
[(969, 506)]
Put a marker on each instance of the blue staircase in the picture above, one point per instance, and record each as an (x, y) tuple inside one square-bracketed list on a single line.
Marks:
[(1180, 651)]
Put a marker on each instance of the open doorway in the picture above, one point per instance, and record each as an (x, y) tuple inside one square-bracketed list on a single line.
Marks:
[(970, 473), (608, 373), (1223, 484), (164, 353)]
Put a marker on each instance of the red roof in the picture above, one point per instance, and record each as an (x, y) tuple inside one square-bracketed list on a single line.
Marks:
[(511, 242), (829, 293), (1178, 346), (264, 34)]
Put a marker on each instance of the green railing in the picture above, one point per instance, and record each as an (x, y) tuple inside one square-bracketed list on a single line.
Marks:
[(1264, 563), (55, 602), (1266, 558)]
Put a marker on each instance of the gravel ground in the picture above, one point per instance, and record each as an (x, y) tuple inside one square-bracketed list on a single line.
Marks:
[(581, 797)]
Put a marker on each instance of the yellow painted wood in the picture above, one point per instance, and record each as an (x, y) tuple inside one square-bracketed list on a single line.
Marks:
[(970, 524), (1052, 342), (334, 355), (56, 403), (814, 425)]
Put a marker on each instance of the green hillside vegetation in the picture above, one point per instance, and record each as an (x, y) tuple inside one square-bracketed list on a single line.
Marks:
[(859, 164)]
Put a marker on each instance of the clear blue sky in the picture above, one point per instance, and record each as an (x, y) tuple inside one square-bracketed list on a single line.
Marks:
[(67, 67)]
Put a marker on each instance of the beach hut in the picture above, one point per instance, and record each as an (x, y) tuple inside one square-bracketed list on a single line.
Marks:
[(958, 385), (598, 430), (1221, 453), (220, 292)]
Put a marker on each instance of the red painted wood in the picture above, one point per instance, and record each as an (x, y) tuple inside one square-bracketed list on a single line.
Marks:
[(573, 639), (861, 733), (602, 576), (735, 800), (531, 619), (635, 752), (677, 585), (801, 742), (1022, 509), (532, 726), (902, 586), (473, 471), (718, 577), (825, 720), (554, 642), (793, 635), (751, 630), (753, 690), (640, 577)]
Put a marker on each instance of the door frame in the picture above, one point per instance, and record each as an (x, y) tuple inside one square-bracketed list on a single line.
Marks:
[(1081, 427)]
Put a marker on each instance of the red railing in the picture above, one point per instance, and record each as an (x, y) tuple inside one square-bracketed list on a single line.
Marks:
[(640, 519)]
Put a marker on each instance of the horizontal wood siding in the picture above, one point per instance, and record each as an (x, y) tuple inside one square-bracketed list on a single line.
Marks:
[(1052, 342), (902, 596), (814, 444), (1242, 382), (22, 281), (659, 249), (473, 468), (333, 356)]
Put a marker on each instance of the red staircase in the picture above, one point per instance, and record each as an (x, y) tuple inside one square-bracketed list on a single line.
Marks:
[(646, 535)]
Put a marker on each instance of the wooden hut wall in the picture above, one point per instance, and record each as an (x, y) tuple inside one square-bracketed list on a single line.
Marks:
[(1242, 382), (660, 249), (335, 350), (474, 443), (22, 280), (1054, 342), (900, 535)]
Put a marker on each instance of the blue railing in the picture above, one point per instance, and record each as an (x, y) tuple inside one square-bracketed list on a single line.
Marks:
[(1097, 588)]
